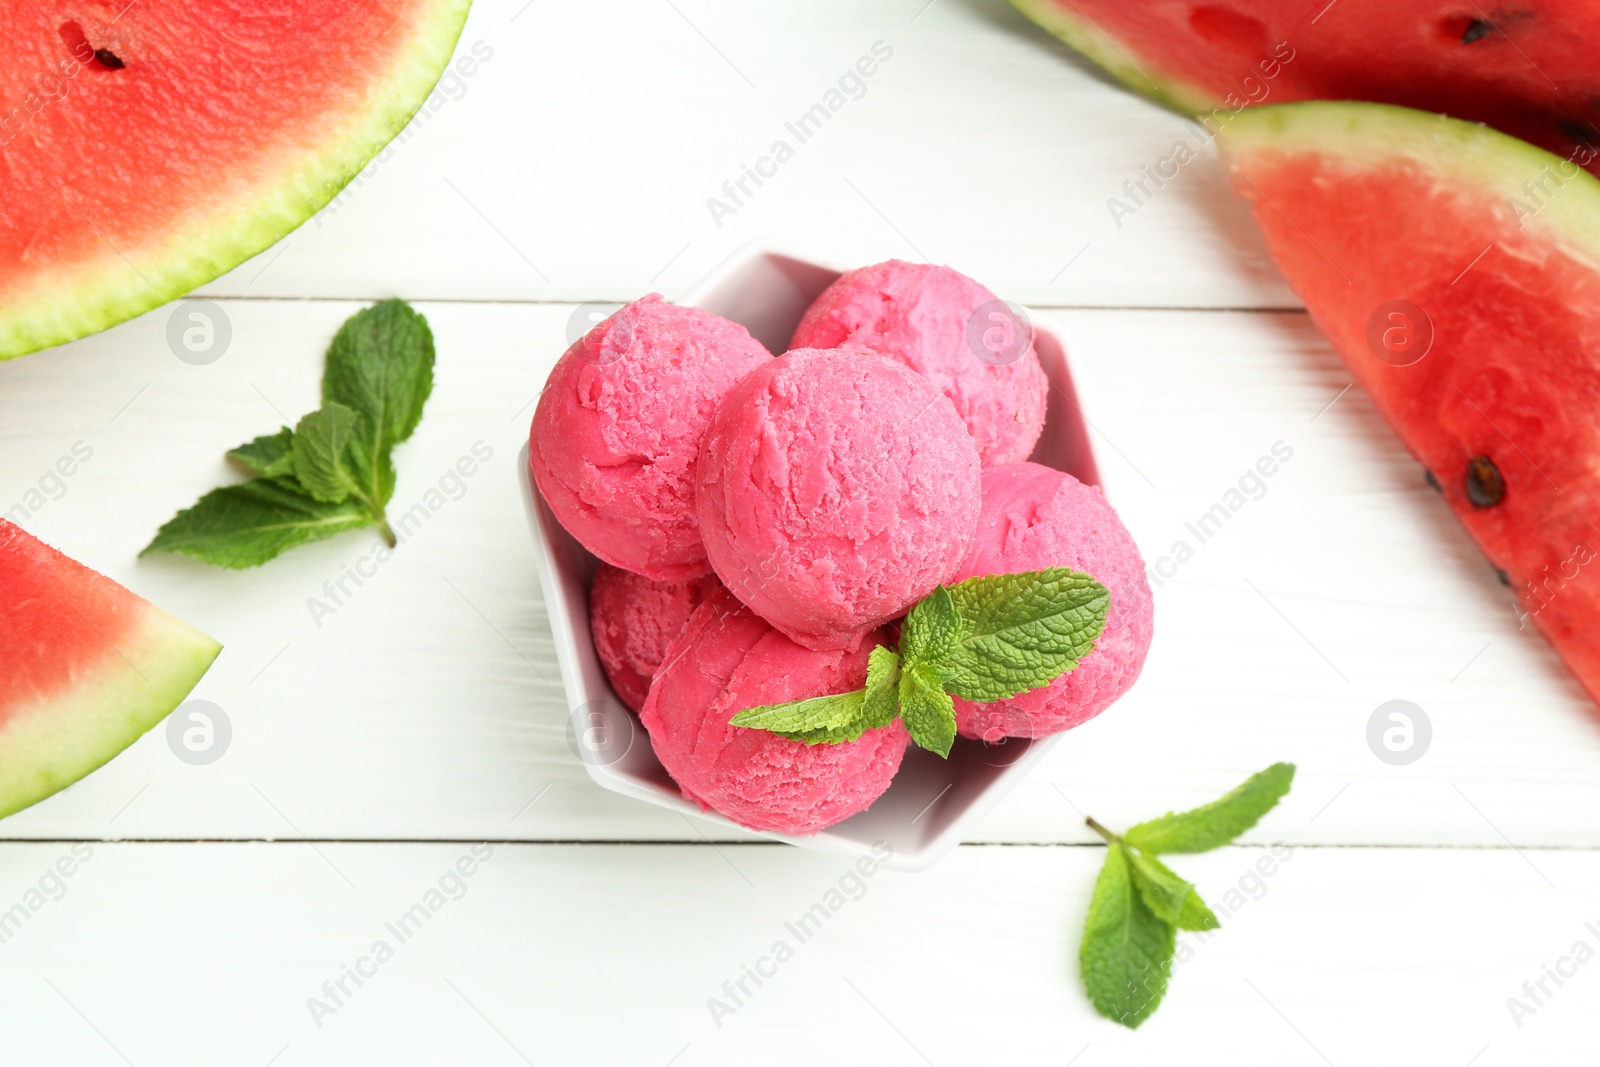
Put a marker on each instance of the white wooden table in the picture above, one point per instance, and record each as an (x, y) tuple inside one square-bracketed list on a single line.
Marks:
[(424, 720)]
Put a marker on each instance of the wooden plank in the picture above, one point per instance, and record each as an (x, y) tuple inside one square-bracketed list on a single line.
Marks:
[(548, 173), (205, 953)]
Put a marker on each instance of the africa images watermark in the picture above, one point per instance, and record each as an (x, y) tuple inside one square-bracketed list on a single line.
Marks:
[(1538, 592), (852, 885), (452, 86), (1248, 888), (1251, 485), (1543, 189), (52, 484), (49, 887), (1536, 992), (450, 886), (1255, 90), (451, 486), (852, 85), (55, 85)]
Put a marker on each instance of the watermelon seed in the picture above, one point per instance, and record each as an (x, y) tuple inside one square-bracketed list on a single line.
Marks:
[(1505, 579), (109, 59), (1583, 133), (1433, 483), (1486, 486), (1477, 29)]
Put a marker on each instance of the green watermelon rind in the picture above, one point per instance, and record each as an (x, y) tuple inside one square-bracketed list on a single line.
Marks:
[(81, 299), (64, 736), (1458, 154), (1116, 58)]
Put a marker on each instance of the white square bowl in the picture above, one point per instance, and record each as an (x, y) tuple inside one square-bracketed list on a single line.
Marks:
[(932, 801)]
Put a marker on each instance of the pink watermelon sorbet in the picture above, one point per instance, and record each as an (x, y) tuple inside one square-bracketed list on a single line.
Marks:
[(728, 659), (952, 331), (836, 489), (618, 426), (1036, 517), (634, 620)]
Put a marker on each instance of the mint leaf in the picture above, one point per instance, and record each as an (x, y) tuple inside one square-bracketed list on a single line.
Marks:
[(269, 456), (932, 629), (926, 708), (796, 716), (333, 471), (1219, 822), (247, 524), (1163, 891), (1196, 915), (1169, 896), (880, 704), (380, 366), (1022, 631), (322, 454), (1139, 903), (1126, 954)]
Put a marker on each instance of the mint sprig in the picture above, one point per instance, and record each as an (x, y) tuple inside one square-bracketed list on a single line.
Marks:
[(334, 471), (1140, 904), (1218, 822), (987, 638)]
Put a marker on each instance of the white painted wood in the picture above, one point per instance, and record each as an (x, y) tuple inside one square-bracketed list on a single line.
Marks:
[(550, 173), (575, 163), (182, 954), (430, 707)]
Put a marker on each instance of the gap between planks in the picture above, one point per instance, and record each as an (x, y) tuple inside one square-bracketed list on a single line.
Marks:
[(681, 843)]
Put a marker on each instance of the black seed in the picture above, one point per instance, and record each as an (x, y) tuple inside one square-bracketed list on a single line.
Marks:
[(1433, 483), (1505, 579), (1582, 133), (1477, 29), (109, 59), (1486, 486)]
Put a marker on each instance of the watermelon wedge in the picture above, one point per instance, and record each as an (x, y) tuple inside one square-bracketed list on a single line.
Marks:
[(86, 667), (1526, 67), (1457, 271), (150, 146)]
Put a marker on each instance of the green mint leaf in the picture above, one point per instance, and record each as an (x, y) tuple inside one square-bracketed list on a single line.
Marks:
[(1022, 631), (1160, 887), (380, 366), (1219, 822), (932, 629), (1126, 954), (322, 455), (1165, 893), (880, 704), (799, 716), (926, 708), (269, 456), (1196, 915), (245, 525)]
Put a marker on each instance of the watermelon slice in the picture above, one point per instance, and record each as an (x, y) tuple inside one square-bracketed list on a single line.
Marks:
[(86, 668), (151, 146), (1457, 271), (1526, 67)]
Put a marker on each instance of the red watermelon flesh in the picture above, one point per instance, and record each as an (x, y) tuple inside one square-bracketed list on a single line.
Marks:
[(1526, 68), (86, 667), (1469, 308), (150, 146)]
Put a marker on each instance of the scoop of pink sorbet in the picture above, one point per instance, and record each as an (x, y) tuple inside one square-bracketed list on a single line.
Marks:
[(726, 660), (1035, 517), (634, 620), (836, 489), (618, 426), (951, 330)]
